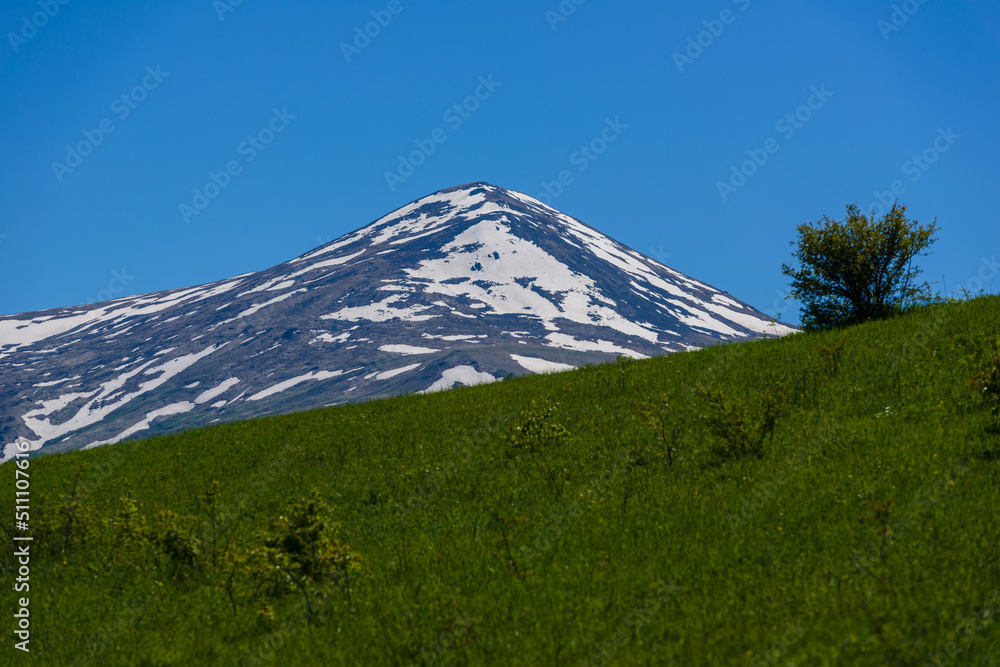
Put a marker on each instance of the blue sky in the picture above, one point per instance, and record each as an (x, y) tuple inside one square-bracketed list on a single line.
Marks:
[(645, 109)]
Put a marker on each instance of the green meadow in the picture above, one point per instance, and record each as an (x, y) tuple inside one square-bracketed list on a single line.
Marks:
[(829, 498)]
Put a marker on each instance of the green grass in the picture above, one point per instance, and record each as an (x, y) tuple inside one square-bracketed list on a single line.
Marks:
[(725, 506)]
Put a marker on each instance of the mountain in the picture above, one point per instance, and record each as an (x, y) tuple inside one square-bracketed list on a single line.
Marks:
[(464, 286)]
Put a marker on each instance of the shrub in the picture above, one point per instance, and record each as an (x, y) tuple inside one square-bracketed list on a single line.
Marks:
[(654, 416), (537, 431), (987, 382), (174, 534), (740, 429), (67, 522), (299, 550), (858, 269)]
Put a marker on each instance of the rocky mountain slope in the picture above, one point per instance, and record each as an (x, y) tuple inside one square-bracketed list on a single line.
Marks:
[(466, 285)]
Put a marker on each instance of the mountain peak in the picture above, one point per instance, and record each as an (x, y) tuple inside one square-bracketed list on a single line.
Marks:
[(471, 186), (442, 209)]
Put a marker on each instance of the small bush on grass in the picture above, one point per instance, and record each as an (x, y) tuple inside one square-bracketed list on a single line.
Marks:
[(987, 381), (739, 428), (655, 418), (537, 432), (299, 551)]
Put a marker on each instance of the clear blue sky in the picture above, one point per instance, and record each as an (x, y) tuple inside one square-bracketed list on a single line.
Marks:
[(215, 77)]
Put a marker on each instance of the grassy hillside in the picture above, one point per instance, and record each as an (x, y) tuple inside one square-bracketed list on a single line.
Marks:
[(827, 498)]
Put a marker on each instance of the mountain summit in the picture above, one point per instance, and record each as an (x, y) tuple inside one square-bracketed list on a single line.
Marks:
[(464, 286)]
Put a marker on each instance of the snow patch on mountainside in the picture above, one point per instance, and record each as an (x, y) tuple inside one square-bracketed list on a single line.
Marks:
[(206, 396), (407, 349), (257, 307), (330, 338), (385, 375), (326, 264), (380, 311), (276, 283), (459, 375), (536, 365), (569, 343), (288, 384), (174, 409), (53, 382), (749, 321)]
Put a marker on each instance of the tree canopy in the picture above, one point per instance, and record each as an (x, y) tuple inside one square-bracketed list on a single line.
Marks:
[(860, 268)]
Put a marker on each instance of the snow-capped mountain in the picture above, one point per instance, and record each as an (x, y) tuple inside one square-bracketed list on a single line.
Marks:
[(464, 286)]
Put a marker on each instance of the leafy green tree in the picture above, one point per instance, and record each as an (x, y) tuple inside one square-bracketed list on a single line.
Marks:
[(860, 268)]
